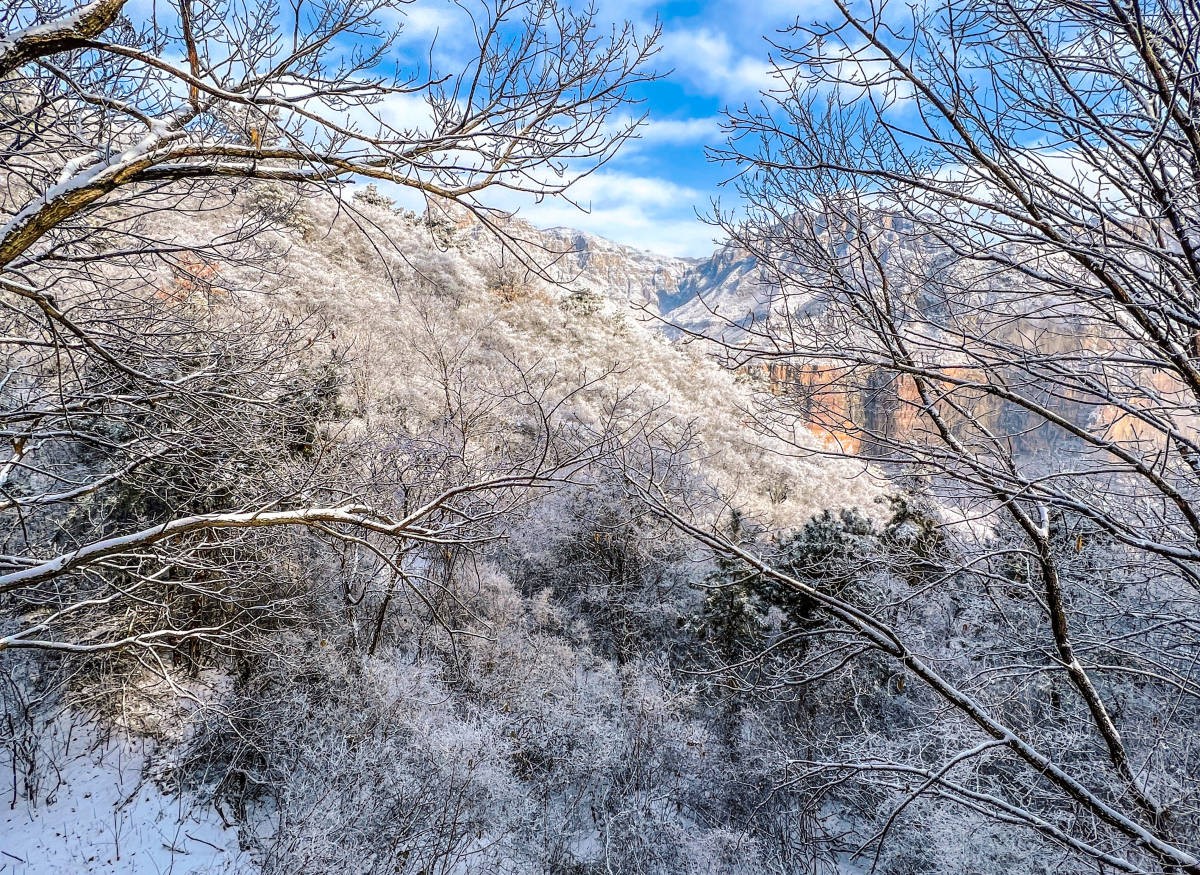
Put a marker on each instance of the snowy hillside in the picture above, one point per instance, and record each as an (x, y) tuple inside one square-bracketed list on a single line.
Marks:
[(459, 286), (545, 716)]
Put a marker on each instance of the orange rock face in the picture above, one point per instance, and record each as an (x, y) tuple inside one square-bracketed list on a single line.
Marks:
[(853, 407)]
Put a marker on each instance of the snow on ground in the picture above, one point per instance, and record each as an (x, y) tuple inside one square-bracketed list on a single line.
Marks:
[(106, 816)]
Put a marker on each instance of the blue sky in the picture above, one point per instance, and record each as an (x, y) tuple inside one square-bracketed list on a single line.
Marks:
[(714, 56)]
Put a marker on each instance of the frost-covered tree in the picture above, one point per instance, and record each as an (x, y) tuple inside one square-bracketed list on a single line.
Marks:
[(156, 418), (979, 219)]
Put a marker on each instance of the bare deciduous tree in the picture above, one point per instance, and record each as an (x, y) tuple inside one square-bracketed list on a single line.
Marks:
[(155, 421), (980, 219)]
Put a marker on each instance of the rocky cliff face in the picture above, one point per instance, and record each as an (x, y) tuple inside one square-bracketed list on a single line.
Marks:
[(729, 285), (686, 291), (613, 270)]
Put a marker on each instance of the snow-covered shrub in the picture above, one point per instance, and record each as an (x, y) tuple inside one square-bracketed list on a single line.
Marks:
[(608, 563)]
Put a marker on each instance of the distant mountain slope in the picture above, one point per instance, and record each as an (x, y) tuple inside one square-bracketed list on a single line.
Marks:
[(616, 270), (402, 289), (693, 293), (728, 285)]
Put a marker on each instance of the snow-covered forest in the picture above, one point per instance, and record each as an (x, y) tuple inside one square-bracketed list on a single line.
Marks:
[(341, 536)]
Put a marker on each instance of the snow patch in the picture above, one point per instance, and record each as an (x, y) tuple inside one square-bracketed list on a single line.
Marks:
[(100, 813)]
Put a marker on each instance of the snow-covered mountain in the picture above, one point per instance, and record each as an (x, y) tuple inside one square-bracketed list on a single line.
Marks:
[(692, 293), (613, 269), (729, 284)]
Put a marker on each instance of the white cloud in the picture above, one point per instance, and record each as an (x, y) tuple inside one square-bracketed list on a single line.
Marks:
[(655, 132), (680, 131), (709, 61), (424, 19), (859, 71), (405, 112), (437, 31), (643, 190), (642, 211)]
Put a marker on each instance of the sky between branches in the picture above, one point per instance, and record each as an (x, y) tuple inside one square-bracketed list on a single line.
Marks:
[(713, 56)]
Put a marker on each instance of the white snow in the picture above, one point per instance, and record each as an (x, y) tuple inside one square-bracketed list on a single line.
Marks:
[(107, 816)]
